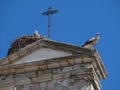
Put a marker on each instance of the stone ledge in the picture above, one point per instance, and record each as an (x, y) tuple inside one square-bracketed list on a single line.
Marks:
[(39, 65), (54, 63)]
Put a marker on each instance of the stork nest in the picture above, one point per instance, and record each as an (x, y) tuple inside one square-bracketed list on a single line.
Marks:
[(21, 43)]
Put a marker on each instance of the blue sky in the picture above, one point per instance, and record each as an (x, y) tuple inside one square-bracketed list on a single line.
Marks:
[(76, 21)]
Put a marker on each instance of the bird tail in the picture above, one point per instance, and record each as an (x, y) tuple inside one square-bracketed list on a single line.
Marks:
[(83, 46)]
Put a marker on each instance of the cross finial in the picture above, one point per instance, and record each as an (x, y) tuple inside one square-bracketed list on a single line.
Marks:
[(48, 13)]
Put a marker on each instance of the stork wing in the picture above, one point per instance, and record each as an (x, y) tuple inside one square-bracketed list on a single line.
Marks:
[(89, 41)]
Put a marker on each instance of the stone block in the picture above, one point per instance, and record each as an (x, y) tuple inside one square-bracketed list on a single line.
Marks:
[(66, 69), (53, 65), (23, 51), (57, 76), (43, 86), (78, 60), (56, 70), (71, 61), (22, 81), (63, 63), (35, 86), (87, 59), (76, 67), (19, 76), (32, 47), (42, 78), (20, 69), (2, 89), (12, 70), (43, 66), (6, 83), (13, 57), (31, 68), (50, 85), (31, 74)]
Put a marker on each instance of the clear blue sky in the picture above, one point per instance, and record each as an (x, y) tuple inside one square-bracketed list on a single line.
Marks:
[(77, 21)]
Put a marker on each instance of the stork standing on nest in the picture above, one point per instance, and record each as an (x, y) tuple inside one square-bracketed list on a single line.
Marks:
[(91, 42), (36, 34)]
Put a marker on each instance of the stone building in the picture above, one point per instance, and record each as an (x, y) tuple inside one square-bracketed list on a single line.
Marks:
[(49, 65)]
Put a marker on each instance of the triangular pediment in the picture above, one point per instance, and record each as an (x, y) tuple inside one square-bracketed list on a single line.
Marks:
[(43, 50), (42, 54)]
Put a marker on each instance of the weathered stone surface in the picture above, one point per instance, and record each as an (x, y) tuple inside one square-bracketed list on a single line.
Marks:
[(62, 78), (49, 65), (43, 86), (42, 54), (8, 88), (35, 86)]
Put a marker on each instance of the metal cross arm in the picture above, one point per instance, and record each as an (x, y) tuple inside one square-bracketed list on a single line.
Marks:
[(50, 11)]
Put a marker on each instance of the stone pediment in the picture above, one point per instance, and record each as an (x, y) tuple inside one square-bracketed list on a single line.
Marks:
[(42, 54), (43, 50)]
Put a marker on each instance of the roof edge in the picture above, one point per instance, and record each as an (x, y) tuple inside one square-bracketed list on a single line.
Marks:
[(44, 43), (100, 65)]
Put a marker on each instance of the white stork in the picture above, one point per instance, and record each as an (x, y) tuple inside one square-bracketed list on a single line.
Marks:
[(36, 34), (91, 42)]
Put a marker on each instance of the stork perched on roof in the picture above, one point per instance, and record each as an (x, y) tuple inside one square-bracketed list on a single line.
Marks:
[(91, 42), (36, 34)]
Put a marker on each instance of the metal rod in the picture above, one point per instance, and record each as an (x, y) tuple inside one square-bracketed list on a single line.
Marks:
[(49, 26)]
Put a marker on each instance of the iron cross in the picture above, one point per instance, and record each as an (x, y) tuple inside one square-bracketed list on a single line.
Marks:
[(49, 13)]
